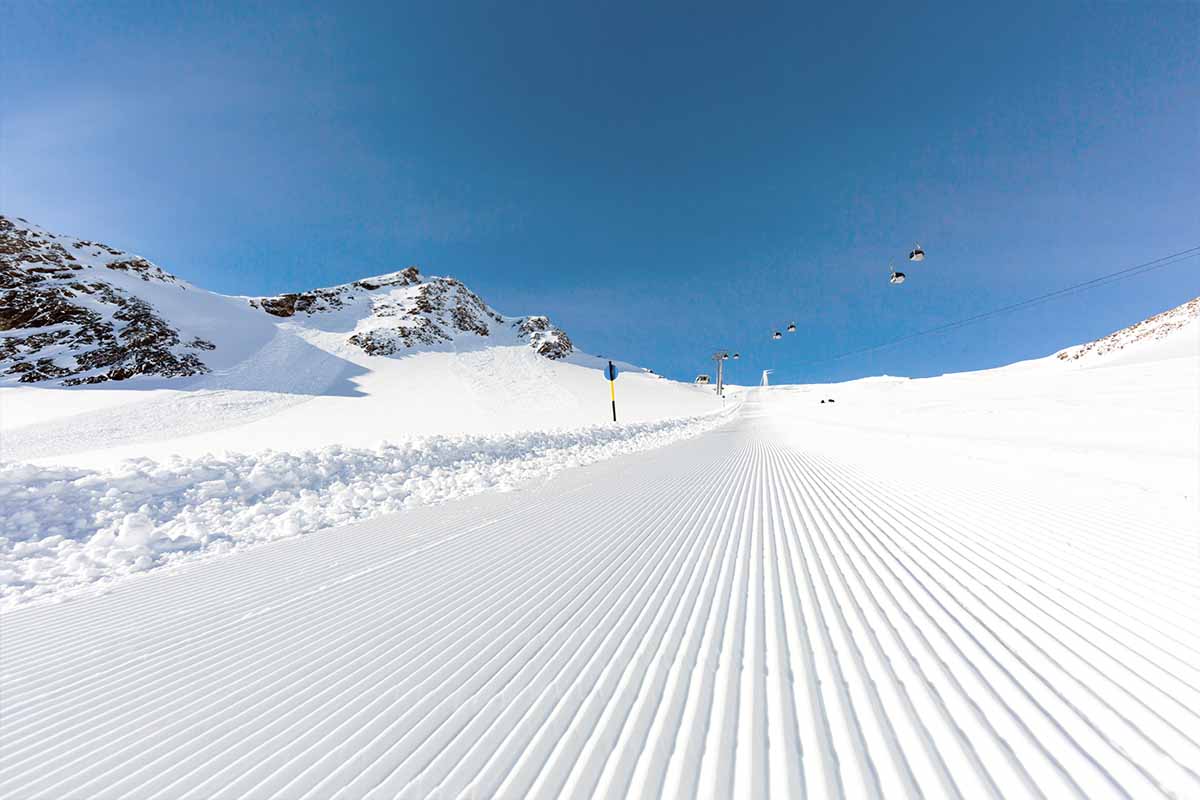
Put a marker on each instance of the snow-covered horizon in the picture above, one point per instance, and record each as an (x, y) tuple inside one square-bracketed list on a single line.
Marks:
[(313, 409), (106, 356), (910, 588), (379, 540), (144, 420), (81, 313)]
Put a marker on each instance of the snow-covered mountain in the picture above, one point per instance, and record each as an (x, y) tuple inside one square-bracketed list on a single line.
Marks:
[(393, 391), (105, 356), (401, 311), (1173, 333), (79, 312), (976, 585), (127, 445), (76, 311)]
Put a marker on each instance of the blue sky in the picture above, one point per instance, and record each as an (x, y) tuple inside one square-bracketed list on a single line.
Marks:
[(662, 179)]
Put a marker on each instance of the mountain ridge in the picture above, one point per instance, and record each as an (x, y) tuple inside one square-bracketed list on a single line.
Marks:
[(1155, 328), (77, 312)]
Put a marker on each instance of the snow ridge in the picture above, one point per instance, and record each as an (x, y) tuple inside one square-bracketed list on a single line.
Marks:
[(70, 310), (751, 620), (1152, 329), (63, 528), (77, 312), (403, 310)]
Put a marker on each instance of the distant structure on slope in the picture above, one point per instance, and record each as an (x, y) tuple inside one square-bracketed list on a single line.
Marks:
[(76, 312), (1155, 328)]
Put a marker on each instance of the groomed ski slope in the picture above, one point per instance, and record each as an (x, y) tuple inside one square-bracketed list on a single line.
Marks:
[(730, 616)]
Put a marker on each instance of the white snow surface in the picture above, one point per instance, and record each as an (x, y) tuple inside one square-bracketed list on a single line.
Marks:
[(296, 427), (1127, 418), (306, 390), (302, 381), (99, 483), (753, 612), (1174, 333), (238, 330), (66, 528), (975, 585)]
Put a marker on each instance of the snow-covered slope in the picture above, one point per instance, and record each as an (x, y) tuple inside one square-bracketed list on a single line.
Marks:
[(735, 616), (398, 312), (105, 356), (144, 420), (77, 312), (1124, 409), (975, 585), (1174, 333)]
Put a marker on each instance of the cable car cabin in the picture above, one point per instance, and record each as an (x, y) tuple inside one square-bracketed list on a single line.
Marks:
[(777, 335), (791, 328), (702, 379), (917, 254), (897, 278)]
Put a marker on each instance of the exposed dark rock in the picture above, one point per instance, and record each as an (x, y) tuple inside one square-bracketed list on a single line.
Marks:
[(334, 298), (60, 323), (283, 305), (69, 313), (547, 340), (1157, 327), (434, 313)]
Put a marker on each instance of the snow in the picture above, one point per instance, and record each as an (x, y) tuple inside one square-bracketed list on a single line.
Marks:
[(762, 610), (196, 312), (1130, 423), (295, 427), (1174, 333), (298, 383), (318, 573), (351, 400), (67, 528)]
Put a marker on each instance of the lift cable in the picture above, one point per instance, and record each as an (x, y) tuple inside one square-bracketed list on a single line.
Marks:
[(1112, 277)]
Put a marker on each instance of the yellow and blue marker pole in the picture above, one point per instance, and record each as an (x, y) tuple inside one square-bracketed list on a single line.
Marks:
[(612, 387)]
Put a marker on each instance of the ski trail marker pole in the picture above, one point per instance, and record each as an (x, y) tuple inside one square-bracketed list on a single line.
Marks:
[(611, 372)]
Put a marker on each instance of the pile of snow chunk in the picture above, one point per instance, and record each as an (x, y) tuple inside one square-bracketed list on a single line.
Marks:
[(63, 528)]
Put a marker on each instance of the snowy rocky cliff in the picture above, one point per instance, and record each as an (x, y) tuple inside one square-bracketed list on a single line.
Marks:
[(77, 312), (82, 312), (403, 310), (1158, 328)]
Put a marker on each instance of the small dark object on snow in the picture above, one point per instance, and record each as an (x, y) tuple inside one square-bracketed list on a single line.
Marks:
[(822, 402), (831, 399)]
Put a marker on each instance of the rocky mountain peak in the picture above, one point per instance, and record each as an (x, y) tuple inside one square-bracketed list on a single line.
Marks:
[(1150, 329), (81, 312), (402, 310), (67, 312)]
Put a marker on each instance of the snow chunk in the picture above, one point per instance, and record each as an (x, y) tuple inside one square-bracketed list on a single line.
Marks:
[(63, 529)]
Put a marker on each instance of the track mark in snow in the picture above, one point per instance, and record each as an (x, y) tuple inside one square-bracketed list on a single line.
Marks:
[(723, 617)]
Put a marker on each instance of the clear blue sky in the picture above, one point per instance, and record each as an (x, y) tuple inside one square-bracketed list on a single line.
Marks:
[(660, 178)]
